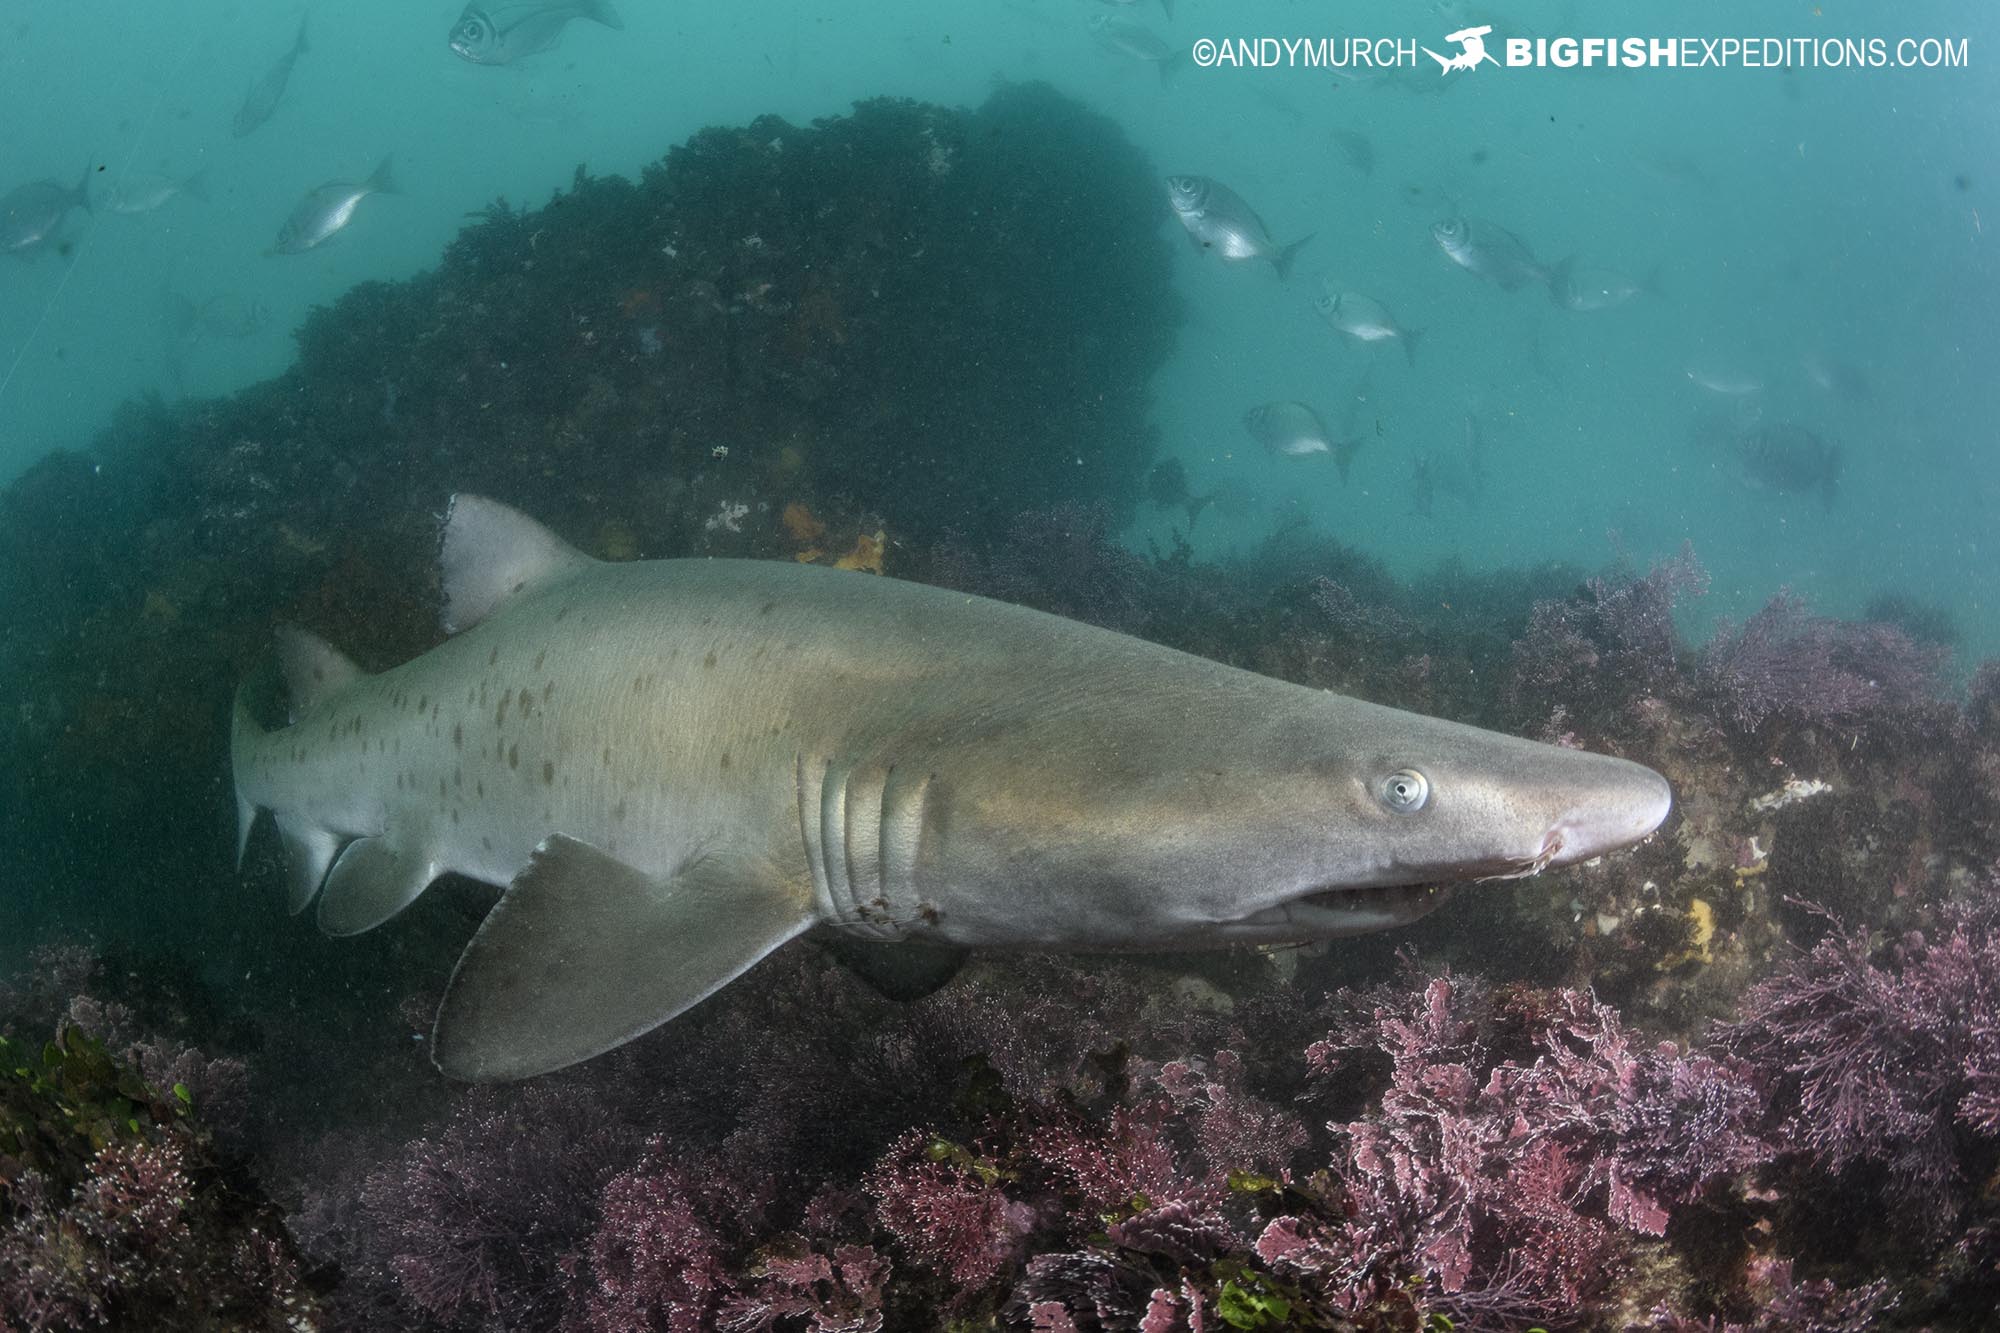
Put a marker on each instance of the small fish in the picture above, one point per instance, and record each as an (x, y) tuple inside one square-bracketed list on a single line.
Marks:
[(1365, 320), (501, 33), (1167, 487), (1423, 485), (1137, 41), (1356, 149), (1843, 379), (1294, 430), (1490, 251), (30, 214), (1166, 6), (1790, 459), (326, 211), (141, 192), (1217, 219), (267, 92), (1581, 288), (1727, 383)]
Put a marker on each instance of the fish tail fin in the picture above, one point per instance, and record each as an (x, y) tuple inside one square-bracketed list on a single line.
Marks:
[(602, 11), (1650, 284), (1168, 6), (1283, 261), (1170, 67), (299, 46), (1343, 456), (196, 185), (383, 180), (1197, 503), (1556, 276), (83, 188), (1409, 340)]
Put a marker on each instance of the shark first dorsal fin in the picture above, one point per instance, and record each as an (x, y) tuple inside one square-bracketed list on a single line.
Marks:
[(313, 668), (584, 953), (490, 554)]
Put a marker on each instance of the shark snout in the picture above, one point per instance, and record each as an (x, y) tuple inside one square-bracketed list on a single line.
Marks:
[(1618, 809)]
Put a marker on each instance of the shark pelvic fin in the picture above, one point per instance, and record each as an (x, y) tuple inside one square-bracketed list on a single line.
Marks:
[(584, 953), (373, 880), (313, 668), (490, 554), (308, 852)]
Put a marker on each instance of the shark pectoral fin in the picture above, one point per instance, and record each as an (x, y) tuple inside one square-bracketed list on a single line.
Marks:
[(490, 554), (896, 969), (584, 953), (372, 881)]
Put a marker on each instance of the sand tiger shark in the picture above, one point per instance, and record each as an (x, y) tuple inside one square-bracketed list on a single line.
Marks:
[(676, 766)]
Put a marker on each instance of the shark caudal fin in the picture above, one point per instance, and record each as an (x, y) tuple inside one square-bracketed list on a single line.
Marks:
[(307, 670), (584, 953)]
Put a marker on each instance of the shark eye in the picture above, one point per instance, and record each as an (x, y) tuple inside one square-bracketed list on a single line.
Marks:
[(1405, 791)]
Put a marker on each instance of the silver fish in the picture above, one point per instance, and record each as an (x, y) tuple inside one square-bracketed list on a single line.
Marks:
[(1356, 149), (1217, 219), (1137, 41), (1365, 320), (326, 211), (501, 33), (1843, 379), (1460, 475), (1729, 384), (1490, 251), (668, 803), (30, 214), (267, 92), (1785, 457), (1577, 287), (140, 192), (1294, 430)]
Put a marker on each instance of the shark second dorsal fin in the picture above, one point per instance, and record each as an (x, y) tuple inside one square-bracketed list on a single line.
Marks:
[(313, 668), (584, 953), (490, 554)]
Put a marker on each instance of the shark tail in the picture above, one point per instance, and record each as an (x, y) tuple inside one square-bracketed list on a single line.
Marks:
[(1409, 338), (302, 671), (602, 11), (244, 732)]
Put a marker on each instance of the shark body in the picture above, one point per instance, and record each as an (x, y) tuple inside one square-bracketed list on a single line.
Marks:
[(677, 766)]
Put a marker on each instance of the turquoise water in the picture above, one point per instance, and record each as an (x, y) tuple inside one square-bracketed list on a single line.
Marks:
[(1802, 223)]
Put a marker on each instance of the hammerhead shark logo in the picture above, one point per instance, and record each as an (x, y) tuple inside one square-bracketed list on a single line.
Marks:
[(1473, 42)]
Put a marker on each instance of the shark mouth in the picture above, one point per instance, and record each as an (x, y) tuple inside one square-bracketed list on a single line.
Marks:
[(1331, 913)]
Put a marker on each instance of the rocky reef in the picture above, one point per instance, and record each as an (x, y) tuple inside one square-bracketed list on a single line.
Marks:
[(1745, 1076)]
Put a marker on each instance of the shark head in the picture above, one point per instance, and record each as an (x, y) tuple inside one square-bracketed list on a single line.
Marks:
[(1256, 811)]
